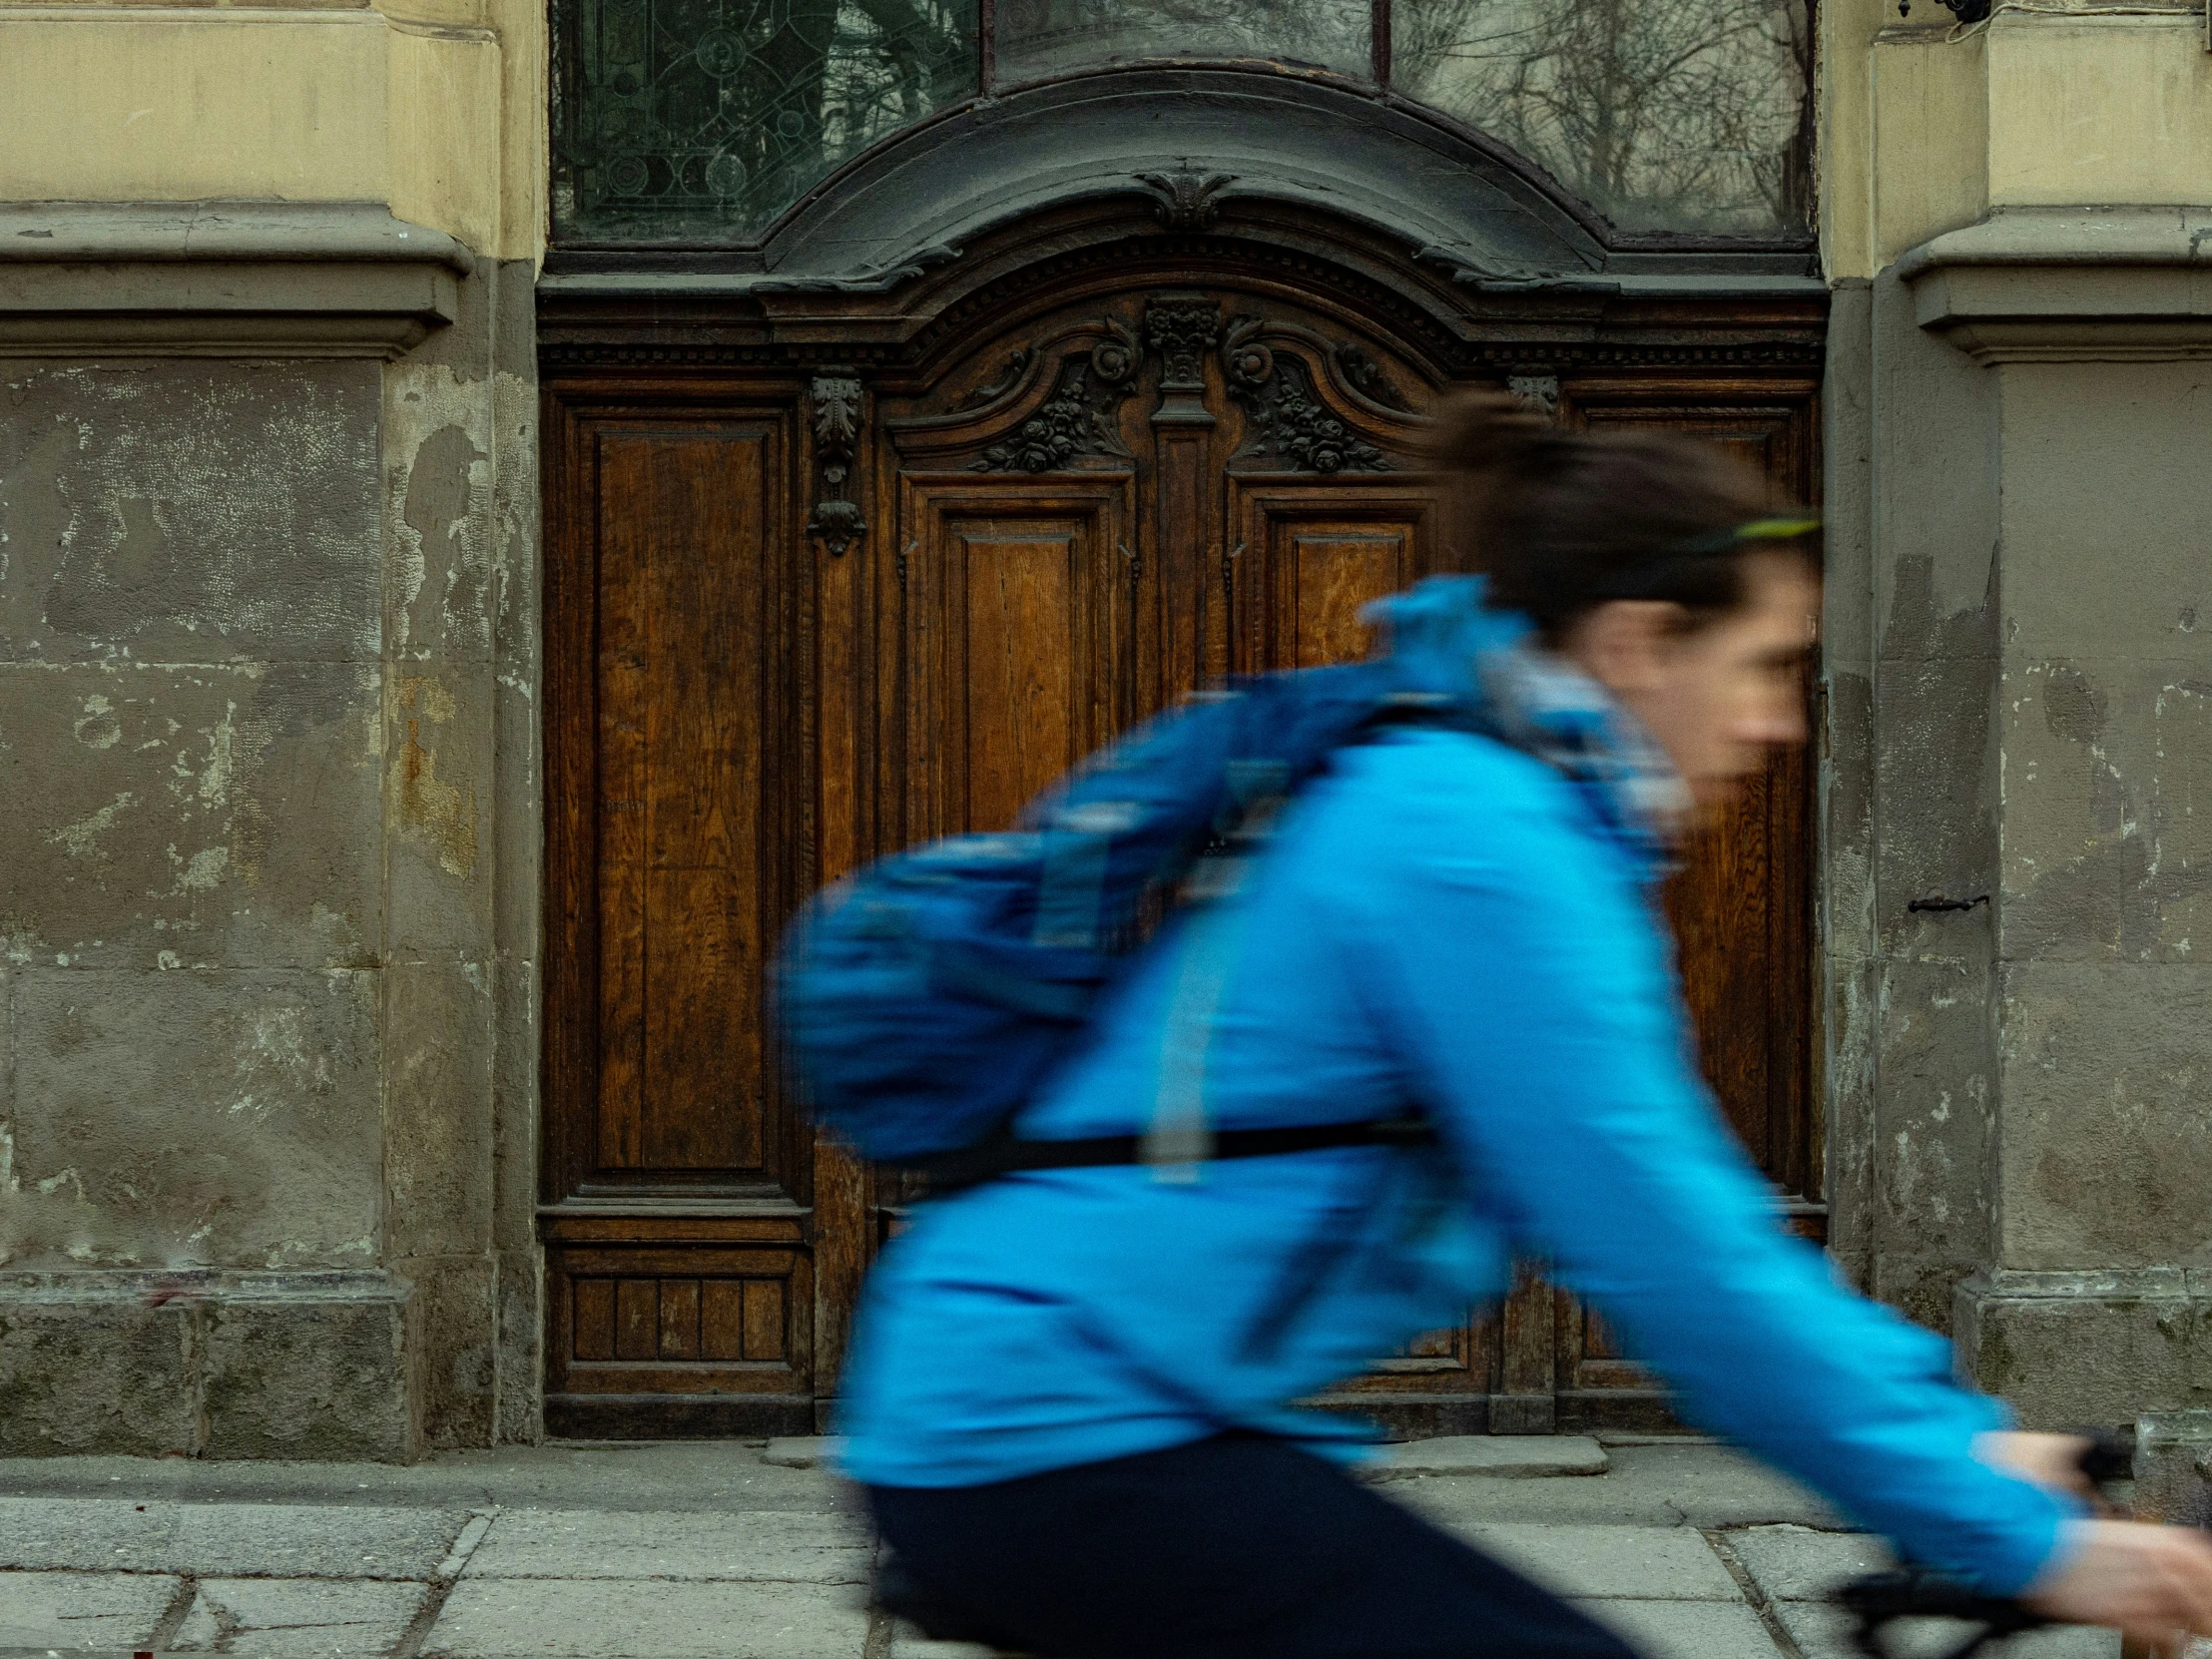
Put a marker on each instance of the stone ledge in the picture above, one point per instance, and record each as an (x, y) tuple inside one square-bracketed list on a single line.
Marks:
[(2069, 285), (210, 1364), (221, 279)]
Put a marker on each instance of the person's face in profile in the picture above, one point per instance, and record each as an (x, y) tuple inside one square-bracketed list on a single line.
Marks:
[(1719, 695)]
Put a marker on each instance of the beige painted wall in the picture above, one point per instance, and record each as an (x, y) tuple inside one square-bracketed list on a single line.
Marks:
[(433, 106), (1926, 126)]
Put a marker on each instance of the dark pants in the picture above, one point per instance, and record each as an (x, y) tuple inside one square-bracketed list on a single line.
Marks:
[(1238, 1547)]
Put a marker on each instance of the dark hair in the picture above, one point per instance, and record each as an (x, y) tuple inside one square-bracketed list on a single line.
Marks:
[(1562, 521)]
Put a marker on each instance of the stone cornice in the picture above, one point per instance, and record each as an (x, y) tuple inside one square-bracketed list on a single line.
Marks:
[(220, 279), (2069, 285)]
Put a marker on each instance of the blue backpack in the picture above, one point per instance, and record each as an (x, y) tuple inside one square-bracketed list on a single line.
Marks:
[(927, 999)]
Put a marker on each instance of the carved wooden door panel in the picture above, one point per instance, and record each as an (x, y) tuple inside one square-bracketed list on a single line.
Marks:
[(1233, 481), (677, 1179), (795, 620)]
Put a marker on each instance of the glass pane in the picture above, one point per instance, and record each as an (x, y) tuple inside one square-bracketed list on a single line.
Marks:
[(1041, 38), (1664, 115), (702, 120)]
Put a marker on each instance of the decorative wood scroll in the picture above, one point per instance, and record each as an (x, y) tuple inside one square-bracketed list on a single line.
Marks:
[(1078, 420), (837, 519), (1313, 404), (1289, 419)]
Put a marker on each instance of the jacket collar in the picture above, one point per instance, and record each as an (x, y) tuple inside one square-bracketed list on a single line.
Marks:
[(1490, 665)]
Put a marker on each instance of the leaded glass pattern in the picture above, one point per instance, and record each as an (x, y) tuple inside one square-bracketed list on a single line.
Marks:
[(1686, 116), (1042, 38), (702, 120)]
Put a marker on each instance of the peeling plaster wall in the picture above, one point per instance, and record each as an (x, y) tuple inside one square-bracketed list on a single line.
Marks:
[(463, 824), (268, 919), (1910, 783), (2106, 876)]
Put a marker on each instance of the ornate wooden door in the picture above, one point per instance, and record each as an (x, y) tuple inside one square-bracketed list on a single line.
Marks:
[(800, 617)]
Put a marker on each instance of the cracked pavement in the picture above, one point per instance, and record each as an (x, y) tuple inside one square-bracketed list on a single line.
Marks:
[(676, 1550)]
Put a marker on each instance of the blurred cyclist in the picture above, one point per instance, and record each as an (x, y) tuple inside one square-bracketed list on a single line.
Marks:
[(1072, 1393)]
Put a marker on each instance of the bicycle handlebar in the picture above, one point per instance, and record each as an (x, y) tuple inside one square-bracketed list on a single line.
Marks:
[(1876, 1598)]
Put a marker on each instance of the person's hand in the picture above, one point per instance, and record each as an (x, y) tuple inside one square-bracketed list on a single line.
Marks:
[(2152, 1583), (2052, 1461)]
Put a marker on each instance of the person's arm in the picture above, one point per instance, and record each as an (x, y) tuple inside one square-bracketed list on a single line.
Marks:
[(1533, 996)]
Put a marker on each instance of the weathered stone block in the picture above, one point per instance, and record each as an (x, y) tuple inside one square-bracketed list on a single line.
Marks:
[(438, 1175), (2107, 1152), (439, 785), (215, 1117), (1929, 1154), (2102, 509), (179, 816), (190, 511), (2070, 1350), (92, 1369), (2106, 855), (456, 1302), (2173, 1467), (316, 1369)]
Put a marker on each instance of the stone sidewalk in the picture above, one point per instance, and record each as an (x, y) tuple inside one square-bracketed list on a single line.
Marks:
[(711, 1550)]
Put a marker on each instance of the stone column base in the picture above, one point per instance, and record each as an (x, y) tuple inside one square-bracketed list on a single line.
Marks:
[(209, 1364), (2173, 1467), (2088, 1349)]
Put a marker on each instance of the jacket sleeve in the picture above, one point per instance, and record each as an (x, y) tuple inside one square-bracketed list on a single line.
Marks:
[(1528, 985)]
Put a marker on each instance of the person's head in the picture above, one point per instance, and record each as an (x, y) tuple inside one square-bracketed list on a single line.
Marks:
[(1667, 569)]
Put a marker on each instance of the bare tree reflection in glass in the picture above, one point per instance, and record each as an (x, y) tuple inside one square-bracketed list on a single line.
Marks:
[(1041, 38), (1665, 115), (703, 119)]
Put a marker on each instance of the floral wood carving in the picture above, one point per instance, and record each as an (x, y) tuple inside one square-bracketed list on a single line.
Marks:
[(1077, 420), (837, 517), (1186, 196), (1288, 417)]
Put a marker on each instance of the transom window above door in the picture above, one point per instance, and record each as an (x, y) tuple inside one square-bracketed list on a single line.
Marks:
[(702, 123)]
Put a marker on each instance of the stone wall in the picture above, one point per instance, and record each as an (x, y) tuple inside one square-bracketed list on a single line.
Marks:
[(267, 645), (2020, 1149)]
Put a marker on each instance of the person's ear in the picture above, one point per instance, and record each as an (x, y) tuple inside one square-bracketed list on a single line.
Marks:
[(1623, 643)]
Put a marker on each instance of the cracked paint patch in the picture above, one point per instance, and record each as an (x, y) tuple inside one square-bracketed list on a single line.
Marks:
[(80, 839)]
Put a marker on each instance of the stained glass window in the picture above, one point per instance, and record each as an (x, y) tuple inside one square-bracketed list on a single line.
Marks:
[(702, 120), (1664, 115), (1041, 38)]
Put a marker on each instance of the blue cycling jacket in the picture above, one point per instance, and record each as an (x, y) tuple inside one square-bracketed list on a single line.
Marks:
[(1442, 921)]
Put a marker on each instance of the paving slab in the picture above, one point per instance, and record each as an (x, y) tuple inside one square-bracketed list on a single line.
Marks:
[(1796, 1564), (588, 1543), (637, 1474), (910, 1643), (1647, 1485), (299, 1618), (610, 1618), (215, 1540), (802, 1451), (1822, 1631), (1688, 1629), (65, 1611), (1498, 1457), (1638, 1563)]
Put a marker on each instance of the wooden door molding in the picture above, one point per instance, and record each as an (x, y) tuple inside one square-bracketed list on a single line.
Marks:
[(807, 603), (678, 1186)]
